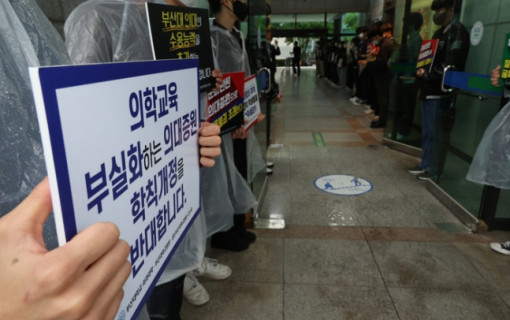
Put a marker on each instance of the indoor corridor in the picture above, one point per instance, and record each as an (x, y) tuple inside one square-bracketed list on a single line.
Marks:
[(393, 252)]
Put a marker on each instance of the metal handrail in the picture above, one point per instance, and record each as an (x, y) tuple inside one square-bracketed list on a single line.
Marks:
[(444, 76)]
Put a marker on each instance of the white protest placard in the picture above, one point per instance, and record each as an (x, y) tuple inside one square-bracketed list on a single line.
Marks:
[(251, 102), (120, 143)]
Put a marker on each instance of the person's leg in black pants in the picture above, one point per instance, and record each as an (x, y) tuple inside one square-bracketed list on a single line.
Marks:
[(405, 103), (382, 91), (165, 301)]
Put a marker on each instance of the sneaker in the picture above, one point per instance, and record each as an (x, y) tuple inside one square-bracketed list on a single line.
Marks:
[(416, 170), (424, 176), (210, 268), (356, 101), (269, 171), (353, 98), (269, 164), (193, 291), (503, 247), (369, 111)]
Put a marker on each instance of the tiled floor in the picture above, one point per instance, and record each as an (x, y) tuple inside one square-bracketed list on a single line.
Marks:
[(398, 253)]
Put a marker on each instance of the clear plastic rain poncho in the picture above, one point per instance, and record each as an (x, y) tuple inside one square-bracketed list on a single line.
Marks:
[(230, 56), (256, 162), (100, 31), (27, 39), (224, 190), (491, 163)]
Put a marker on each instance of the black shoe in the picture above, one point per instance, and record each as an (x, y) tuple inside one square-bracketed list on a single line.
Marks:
[(249, 236), (229, 240), (245, 234), (377, 124)]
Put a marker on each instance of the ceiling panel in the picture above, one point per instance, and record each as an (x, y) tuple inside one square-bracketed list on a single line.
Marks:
[(318, 6)]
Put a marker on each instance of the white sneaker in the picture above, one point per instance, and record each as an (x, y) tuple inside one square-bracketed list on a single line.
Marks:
[(357, 102), (193, 291), (417, 170), (211, 269), (503, 248), (369, 111)]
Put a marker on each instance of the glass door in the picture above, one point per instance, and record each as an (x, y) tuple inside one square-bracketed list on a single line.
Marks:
[(475, 103), (471, 37)]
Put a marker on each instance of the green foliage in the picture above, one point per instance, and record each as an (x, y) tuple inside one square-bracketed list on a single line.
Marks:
[(260, 22), (350, 22)]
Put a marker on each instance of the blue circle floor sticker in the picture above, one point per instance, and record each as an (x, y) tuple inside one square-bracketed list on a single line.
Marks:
[(344, 185)]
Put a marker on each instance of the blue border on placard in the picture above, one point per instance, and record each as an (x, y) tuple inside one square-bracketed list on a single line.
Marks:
[(163, 266), (347, 175), (54, 78), (58, 77)]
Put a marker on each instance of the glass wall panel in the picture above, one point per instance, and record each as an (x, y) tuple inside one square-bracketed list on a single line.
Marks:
[(315, 20), (474, 110), (471, 109), (351, 21), (283, 21)]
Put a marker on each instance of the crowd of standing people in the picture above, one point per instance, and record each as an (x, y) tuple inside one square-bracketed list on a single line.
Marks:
[(363, 66), (83, 279), (88, 272)]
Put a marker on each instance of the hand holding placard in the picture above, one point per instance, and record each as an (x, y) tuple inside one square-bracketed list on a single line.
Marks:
[(209, 141), (81, 280)]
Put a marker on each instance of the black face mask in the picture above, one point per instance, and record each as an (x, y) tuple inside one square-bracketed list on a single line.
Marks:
[(439, 18), (240, 10)]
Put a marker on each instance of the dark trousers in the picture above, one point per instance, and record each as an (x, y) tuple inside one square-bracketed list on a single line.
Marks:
[(382, 95), (352, 74), (363, 85), (405, 104), (240, 157), (433, 119), (295, 64), (165, 301)]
